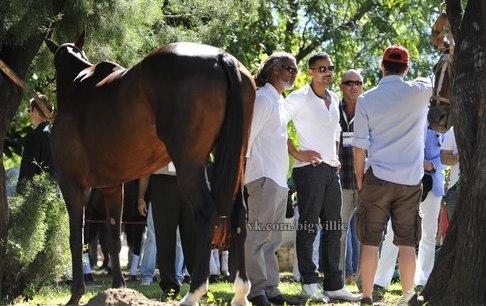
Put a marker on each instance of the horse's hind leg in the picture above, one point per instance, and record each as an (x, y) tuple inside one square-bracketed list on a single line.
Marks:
[(193, 186), (237, 249), (113, 202), (73, 195)]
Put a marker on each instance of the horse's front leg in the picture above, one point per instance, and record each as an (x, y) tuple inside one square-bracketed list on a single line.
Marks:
[(194, 188), (74, 195), (114, 208)]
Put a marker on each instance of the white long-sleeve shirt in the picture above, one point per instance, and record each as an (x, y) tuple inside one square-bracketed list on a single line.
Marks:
[(389, 122), (267, 148)]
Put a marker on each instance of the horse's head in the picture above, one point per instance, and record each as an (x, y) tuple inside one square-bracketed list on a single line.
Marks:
[(439, 115), (69, 59)]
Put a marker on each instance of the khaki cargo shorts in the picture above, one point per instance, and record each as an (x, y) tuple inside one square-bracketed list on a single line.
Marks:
[(380, 200)]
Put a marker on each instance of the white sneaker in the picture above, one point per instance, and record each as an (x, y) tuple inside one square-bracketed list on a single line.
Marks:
[(406, 298), (343, 295), (311, 292), (146, 281)]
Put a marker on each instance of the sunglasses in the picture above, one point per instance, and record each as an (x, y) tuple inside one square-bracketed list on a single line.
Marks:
[(323, 69), (291, 69), (351, 83)]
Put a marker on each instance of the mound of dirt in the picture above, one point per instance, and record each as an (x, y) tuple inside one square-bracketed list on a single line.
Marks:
[(123, 297)]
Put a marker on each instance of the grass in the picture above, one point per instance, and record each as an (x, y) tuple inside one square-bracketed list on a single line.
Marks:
[(219, 293)]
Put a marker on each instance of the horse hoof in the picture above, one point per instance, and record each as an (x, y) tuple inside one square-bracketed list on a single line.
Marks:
[(73, 301), (88, 278), (242, 302)]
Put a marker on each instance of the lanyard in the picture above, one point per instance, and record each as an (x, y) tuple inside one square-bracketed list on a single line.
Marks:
[(346, 118)]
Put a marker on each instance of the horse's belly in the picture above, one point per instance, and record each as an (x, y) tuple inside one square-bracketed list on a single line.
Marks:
[(127, 161)]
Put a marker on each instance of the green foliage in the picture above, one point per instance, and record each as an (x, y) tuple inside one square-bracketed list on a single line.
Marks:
[(354, 33), (37, 247), (20, 20)]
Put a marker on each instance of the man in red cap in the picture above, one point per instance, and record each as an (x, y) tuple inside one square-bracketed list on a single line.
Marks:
[(389, 128)]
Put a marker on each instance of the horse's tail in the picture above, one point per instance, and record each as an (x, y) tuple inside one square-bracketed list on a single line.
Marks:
[(224, 178)]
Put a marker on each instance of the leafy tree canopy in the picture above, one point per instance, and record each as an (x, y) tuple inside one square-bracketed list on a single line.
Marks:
[(354, 33)]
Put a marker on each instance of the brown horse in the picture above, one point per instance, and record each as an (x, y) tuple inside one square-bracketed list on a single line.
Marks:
[(439, 116), (114, 124)]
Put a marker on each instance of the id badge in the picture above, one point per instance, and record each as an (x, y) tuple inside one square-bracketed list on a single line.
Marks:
[(348, 139)]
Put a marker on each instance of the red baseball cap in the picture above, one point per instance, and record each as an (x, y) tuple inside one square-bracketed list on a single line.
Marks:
[(397, 54)]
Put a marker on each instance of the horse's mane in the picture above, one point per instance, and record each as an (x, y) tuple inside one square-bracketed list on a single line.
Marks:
[(100, 71)]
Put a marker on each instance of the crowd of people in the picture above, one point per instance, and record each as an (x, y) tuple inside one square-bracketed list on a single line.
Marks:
[(367, 162), (369, 152)]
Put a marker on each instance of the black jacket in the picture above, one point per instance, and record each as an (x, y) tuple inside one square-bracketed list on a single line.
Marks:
[(37, 157)]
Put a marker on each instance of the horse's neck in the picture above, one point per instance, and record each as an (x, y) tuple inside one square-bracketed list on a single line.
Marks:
[(67, 69)]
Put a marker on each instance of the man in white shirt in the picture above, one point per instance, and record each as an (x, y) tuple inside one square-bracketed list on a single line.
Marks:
[(389, 121), (314, 111), (266, 178)]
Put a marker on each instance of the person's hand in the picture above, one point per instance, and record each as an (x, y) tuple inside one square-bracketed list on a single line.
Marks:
[(428, 165), (142, 207), (422, 80), (310, 156), (456, 158)]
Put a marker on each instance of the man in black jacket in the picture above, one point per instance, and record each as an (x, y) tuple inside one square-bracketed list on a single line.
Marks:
[(36, 157)]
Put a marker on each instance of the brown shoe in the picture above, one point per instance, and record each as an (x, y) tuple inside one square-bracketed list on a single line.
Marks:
[(366, 301), (350, 280)]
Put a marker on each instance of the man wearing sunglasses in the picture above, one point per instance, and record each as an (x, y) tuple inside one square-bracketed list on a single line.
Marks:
[(36, 157), (389, 124), (267, 165), (314, 111), (351, 86)]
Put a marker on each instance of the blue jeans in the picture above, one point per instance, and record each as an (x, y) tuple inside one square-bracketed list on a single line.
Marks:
[(179, 263), (352, 249), (147, 267)]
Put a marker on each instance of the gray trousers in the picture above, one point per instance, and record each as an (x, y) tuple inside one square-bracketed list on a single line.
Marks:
[(350, 200), (267, 202)]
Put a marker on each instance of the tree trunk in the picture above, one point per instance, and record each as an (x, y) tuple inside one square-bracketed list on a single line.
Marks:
[(458, 275), (19, 60)]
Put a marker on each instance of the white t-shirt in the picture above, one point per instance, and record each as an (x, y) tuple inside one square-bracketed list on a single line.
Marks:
[(317, 127), (449, 144)]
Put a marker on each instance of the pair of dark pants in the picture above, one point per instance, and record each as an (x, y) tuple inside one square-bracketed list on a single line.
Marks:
[(451, 199), (170, 209), (319, 196)]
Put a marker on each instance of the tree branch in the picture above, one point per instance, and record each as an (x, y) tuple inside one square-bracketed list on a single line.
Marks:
[(303, 52), (291, 22), (363, 9)]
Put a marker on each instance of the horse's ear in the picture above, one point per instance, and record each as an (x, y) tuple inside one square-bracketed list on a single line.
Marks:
[(80, 41), (52, 46)]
